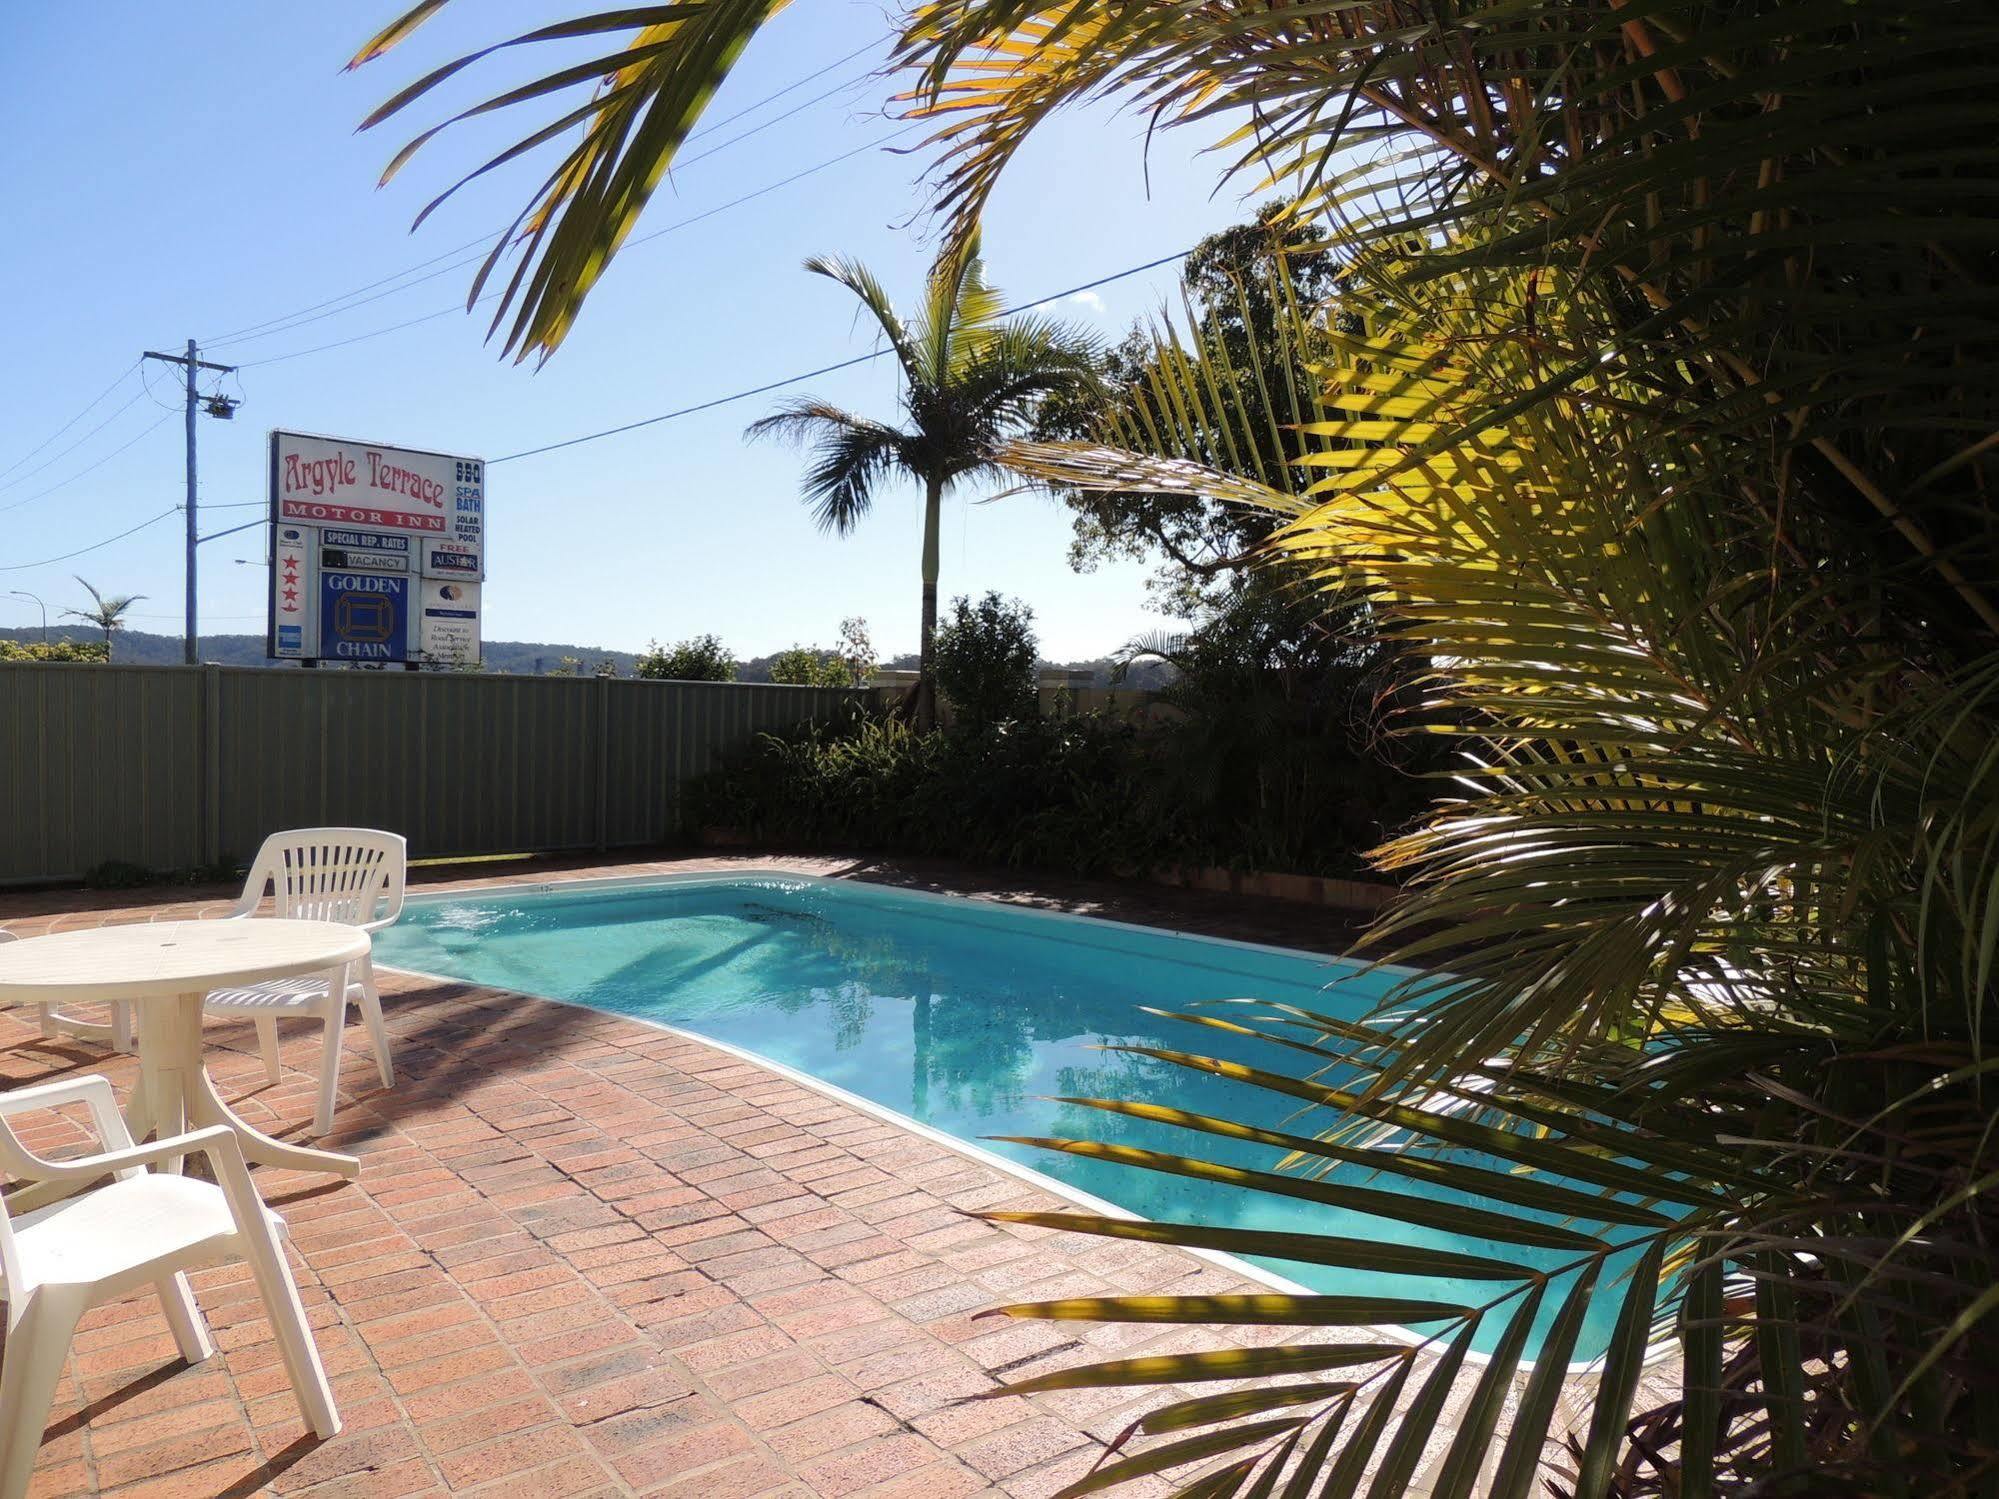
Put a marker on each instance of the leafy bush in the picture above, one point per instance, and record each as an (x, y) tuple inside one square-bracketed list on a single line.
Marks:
[(123, 874), (117, 874), (1050, 794), (985, 660), (573, 666), (798, 667), (848, 664), (1093, 795), (54, 650), (1272, 756), (700, 658)]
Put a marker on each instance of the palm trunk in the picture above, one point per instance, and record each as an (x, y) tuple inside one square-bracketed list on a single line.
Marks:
[(926, 664)]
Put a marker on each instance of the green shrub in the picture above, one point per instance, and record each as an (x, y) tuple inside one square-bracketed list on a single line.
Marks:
[(700, 658), (54, 650), (117, 874), (809, 666), (985, 660), (1090, 795)]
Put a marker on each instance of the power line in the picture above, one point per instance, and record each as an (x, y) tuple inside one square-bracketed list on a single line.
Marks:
[(667, 416), (634, 242), (777, 119), (50, 463), (299, 318), (146, 375), (17, 567), (797, 83), (827, 369), (346, 306), (650, 421), (91, 469), (341, 343), (92, 406), (252, 329)]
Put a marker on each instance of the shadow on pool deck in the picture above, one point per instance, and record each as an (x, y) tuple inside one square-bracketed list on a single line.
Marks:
[(587, 1256)]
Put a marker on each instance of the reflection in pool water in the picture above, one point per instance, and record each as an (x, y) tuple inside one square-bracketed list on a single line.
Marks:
[(971, 1017)]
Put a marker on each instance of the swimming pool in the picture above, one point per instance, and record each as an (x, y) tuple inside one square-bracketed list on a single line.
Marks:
[(967, 1016)]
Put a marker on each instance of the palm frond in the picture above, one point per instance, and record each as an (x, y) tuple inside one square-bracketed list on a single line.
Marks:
[(1704, 908), (1771, 254), (644, 99), (107, 611), (874, 297), (851, 457)]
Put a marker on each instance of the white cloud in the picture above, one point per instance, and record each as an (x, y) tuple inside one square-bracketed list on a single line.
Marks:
[(1087, 299)]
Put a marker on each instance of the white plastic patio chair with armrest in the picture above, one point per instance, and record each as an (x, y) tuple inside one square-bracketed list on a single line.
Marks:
[(56, 1023), (354, 876), (142, 1228)]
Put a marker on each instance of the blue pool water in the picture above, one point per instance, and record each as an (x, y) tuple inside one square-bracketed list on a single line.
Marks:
[(963, 1014)]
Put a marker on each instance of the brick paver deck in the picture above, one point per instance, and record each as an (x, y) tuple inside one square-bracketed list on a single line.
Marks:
[(588, 1257)]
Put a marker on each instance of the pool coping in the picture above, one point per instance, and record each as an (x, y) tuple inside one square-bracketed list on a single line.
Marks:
[(1389, 1332), (544, 886)]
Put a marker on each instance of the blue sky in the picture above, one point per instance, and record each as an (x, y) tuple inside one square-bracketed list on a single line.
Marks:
[(184, 172)]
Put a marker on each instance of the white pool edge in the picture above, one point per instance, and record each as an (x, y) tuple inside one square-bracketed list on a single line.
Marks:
[(546, 886)]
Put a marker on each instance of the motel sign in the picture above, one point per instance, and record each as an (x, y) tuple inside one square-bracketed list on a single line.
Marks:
[(377, 553)]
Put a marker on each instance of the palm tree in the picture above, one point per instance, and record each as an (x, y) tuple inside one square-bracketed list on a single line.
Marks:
[(108, 614), (1663, 438), (971, 377)]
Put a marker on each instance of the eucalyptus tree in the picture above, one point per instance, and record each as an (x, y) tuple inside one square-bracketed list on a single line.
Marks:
[(971, 377)]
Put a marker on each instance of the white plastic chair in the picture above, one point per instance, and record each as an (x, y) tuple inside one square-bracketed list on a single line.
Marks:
[(350, 875), (142, 1228), (56, 1023)]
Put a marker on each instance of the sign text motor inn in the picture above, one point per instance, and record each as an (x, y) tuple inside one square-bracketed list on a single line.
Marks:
[(377, 552)]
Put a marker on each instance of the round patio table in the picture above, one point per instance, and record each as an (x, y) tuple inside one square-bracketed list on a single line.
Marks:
[(167, 968)]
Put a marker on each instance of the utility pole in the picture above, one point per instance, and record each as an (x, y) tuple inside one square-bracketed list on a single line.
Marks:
[(222, 407)]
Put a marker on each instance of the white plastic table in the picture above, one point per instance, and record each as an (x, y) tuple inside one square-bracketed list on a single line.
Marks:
[(166, 968)]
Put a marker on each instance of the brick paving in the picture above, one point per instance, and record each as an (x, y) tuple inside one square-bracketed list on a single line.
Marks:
[(588, 1257)]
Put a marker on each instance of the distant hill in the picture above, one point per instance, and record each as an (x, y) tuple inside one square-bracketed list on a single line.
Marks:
[(137, 648), (515, 657)]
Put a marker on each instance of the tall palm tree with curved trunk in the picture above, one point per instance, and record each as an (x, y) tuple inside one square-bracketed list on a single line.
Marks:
[(971, 378), (107, 612)]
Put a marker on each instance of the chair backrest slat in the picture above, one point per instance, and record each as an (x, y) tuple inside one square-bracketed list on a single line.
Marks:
[(350, 875)]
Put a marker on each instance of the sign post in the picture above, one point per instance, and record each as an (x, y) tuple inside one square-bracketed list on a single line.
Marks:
[(377, 553)]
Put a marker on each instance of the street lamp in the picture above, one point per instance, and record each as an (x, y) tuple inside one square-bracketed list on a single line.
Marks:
[(22, 593)]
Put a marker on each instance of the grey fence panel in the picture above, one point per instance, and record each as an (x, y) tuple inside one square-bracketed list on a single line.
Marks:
[(98, 763), (172, 766), (662, 734), (639, 796)]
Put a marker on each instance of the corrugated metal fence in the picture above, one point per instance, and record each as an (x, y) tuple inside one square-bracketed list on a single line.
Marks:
[(173, 766)]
